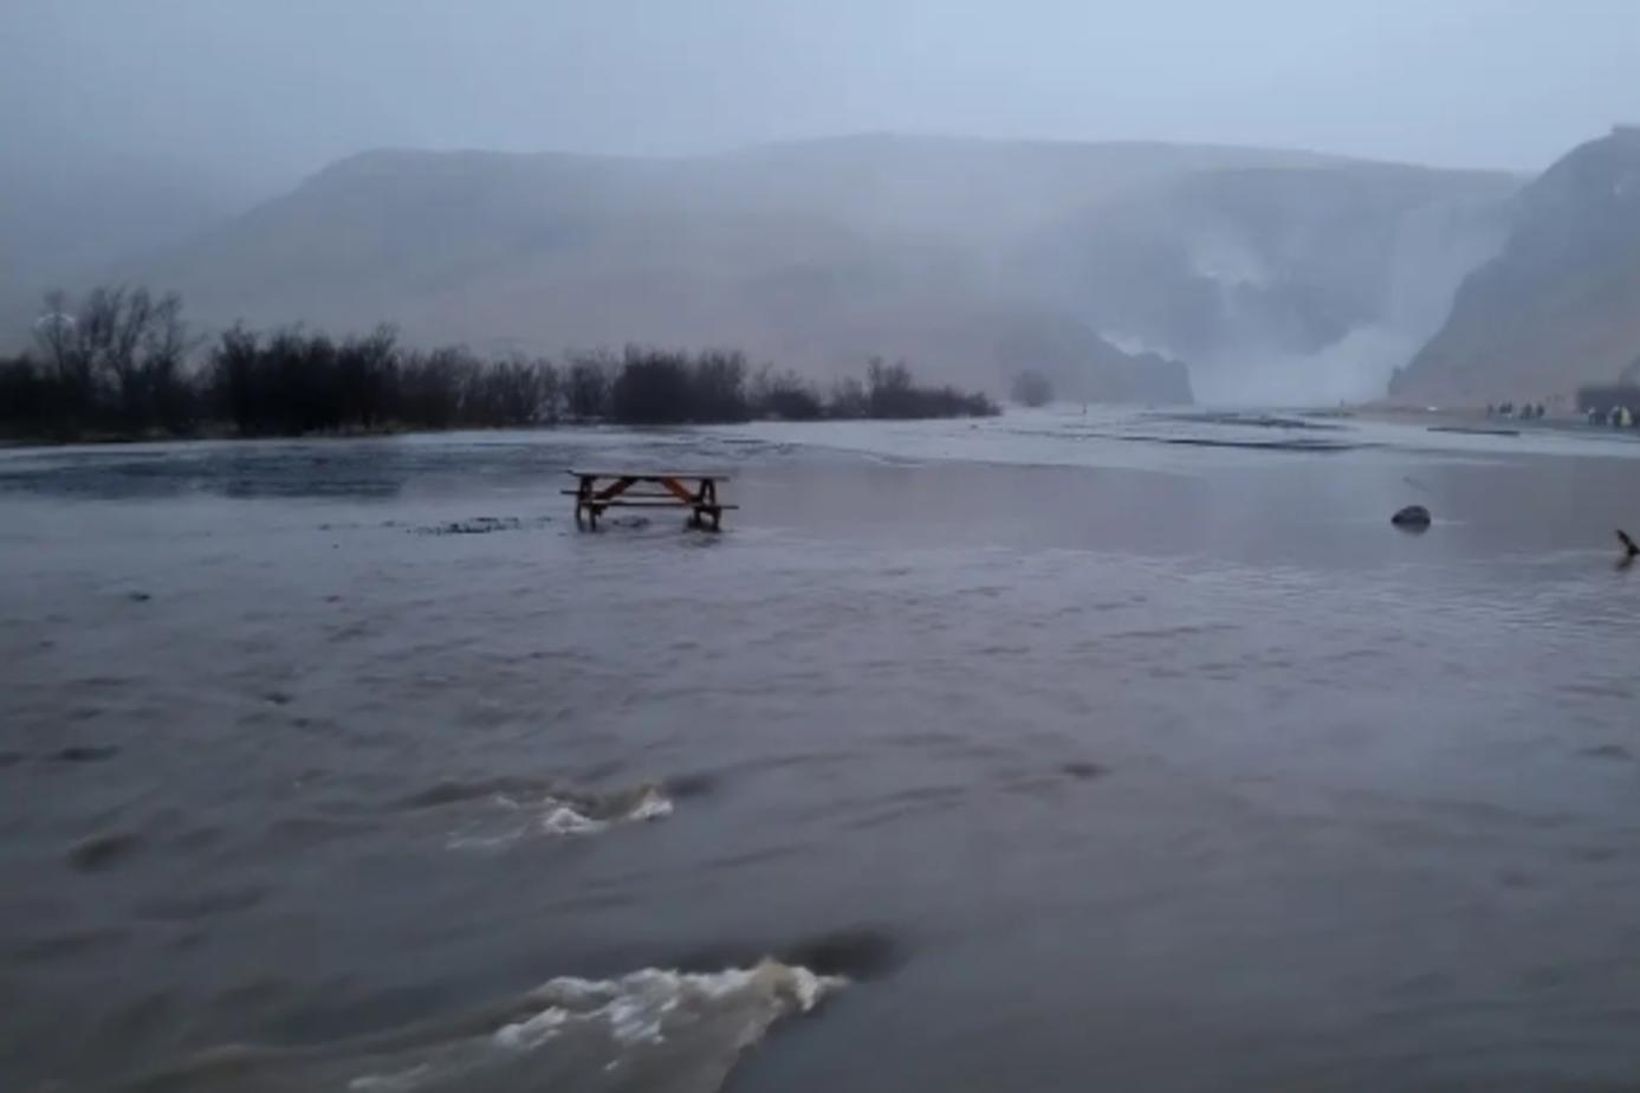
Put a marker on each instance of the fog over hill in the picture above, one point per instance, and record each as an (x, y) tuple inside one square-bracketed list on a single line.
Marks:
[(1269, 274), (68, 219)]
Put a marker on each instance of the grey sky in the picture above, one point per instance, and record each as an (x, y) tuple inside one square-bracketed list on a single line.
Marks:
[(268, 89)]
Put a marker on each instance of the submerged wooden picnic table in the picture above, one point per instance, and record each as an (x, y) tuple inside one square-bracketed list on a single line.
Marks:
[(596, 491)]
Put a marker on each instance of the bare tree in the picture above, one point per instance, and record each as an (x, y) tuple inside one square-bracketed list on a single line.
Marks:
[(1031, 388), (56, 332), (118, 356)]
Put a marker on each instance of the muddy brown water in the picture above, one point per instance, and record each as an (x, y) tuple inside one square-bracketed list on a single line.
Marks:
[(1032, 756)]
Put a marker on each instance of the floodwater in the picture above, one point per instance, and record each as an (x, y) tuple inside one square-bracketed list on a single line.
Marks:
[(1051, 752)]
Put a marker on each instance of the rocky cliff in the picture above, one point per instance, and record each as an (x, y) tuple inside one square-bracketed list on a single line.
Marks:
[(1559, 307)]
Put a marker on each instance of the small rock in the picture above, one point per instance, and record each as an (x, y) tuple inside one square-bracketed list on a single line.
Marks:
[(1084, 771), (859, 952), (139, 597), (690, 785), (1413, 516)]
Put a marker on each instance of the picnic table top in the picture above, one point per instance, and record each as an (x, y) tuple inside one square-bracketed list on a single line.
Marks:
[(653, 476)]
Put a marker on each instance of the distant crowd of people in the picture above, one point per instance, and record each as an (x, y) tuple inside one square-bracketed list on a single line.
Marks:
[(1525, 412), (1618, 417)]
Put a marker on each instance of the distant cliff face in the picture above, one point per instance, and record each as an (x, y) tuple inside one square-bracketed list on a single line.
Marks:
[(1268, 274), (1560, 306)]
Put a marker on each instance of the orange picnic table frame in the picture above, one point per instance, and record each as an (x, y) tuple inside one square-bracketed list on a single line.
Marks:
[(596, 491)]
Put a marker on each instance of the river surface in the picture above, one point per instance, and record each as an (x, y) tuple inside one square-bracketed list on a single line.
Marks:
[(1052, 752)]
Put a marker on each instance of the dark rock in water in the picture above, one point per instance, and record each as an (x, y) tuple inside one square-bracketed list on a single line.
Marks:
[(101, 851), (139, 597), (860, 952), (1084, 771), (86, 753), (690, 785), (1413, 516)]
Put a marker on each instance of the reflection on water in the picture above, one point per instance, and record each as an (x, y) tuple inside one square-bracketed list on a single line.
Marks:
[(370, 468), (1150, 766), (363, 469)]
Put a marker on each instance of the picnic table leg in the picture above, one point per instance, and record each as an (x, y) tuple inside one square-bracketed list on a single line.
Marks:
[(708, 490), (597, 500), (684, 495), (584, 497)]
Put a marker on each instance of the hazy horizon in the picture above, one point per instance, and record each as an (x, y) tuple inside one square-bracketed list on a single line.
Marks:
[(144, 130), (259, 95)]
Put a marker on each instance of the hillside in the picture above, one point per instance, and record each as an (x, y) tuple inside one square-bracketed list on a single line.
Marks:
[(1560, 306), (972, 259)]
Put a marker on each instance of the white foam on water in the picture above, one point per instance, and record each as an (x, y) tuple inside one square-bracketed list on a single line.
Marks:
[(563, 817), (654, 1028), (567, 817), (652, 805), (564, 820), (635, 1008), (532, 1033)]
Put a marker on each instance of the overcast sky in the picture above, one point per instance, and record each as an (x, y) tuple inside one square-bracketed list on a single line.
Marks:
[(271, 89)]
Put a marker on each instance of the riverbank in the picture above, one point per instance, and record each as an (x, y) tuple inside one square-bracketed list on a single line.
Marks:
[(1478, 421)]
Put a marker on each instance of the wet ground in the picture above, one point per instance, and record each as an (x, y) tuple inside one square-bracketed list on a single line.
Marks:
[(1049, 752)]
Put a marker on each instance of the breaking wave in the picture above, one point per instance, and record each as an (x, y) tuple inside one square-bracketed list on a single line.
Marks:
[(652, 1029)]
